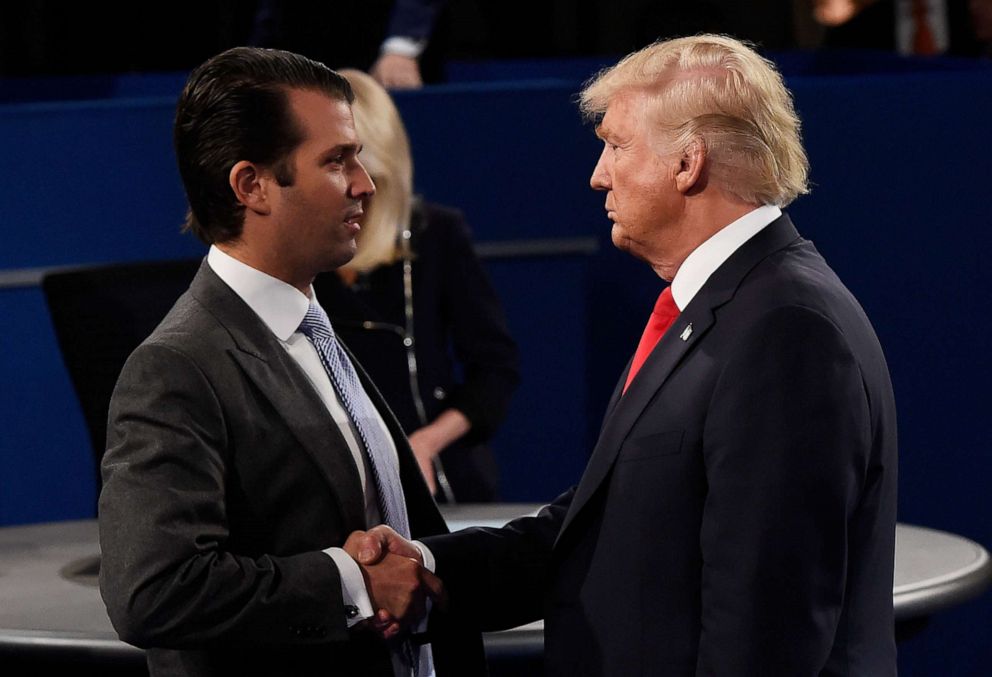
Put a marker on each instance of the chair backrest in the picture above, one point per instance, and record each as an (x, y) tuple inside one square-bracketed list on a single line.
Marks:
[(100, 315)]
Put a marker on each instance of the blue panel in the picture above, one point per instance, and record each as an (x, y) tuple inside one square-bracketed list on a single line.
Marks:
[(92, 87), (93, 182), (46, 468), (543, 447), (900, 208), (516, 159)]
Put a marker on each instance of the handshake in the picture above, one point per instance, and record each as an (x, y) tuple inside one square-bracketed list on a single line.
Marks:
[(397, 582)]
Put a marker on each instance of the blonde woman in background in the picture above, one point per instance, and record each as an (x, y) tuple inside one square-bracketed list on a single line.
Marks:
[(413, 301)]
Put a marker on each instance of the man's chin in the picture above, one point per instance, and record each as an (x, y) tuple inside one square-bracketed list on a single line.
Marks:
[(620, 240), (339, 259), (616, 234)]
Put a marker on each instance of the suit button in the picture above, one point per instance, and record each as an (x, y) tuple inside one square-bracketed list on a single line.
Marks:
[(439, 393)]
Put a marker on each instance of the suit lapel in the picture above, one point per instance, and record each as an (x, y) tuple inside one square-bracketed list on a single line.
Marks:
[(682, 337), (665, 357), (617, 393), (266, 363)]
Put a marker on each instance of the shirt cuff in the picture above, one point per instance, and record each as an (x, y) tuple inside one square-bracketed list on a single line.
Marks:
[(430, 565), (357, 604), (403, 46), (426, 555)]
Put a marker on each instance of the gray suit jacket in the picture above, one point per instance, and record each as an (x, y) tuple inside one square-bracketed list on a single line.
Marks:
[(224, 478)]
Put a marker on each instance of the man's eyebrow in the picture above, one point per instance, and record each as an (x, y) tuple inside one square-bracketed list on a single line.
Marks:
[(342, 148)]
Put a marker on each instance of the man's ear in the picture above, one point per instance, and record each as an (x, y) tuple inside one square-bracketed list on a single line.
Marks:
[(249, 187), (691, 166)]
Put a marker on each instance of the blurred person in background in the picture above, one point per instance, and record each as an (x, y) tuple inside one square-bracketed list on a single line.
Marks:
[(411, 23), (981, 22), (394, 41), (415, 301), (907, 27)]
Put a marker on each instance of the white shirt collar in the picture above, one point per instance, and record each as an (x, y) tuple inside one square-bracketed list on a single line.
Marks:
[(281, 306), (707, 257)]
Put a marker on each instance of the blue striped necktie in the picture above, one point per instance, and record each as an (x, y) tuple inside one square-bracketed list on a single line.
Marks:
[(385, 471), (392, 504)]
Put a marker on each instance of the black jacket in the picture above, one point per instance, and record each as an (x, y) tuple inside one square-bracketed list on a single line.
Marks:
[(457, 319)]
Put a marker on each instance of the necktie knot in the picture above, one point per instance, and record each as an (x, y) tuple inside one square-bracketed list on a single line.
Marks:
[(315, 325), (665, 307)]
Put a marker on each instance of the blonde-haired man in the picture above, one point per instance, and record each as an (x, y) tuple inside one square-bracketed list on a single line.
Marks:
[(737, 515)]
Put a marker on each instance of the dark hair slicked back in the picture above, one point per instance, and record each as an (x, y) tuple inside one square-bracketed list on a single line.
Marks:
[(235, 107)]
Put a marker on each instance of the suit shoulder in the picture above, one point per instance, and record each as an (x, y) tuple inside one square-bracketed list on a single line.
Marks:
[(798, 276), (188, 329), (795, 324), (794, 291)]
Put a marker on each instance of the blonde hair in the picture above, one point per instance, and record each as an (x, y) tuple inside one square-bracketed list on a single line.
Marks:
[(719, 91), (386, 156)]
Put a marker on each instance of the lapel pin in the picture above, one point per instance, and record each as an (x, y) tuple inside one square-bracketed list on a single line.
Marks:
[(686, 333)]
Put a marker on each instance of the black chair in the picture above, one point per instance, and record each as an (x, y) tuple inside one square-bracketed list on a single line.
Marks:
[(100, 315)]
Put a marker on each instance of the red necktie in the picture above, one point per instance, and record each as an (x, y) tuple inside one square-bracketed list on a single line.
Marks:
[(923, 40), (664, 314)]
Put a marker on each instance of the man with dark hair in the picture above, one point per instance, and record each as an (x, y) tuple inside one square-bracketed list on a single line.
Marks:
[(244, 443), (232, 108)]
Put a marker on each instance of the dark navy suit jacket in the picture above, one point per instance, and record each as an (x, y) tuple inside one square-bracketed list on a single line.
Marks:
[(737, 516)]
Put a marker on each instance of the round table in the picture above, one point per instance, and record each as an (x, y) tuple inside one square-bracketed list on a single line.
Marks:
[(50, 604)]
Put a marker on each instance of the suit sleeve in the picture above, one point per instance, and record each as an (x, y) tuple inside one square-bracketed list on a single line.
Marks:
[(167, 576), (479, 335), (414, 19), (786, 446), (498, 578)]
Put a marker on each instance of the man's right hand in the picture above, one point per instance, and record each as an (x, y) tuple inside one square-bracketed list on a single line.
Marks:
[(368, 547), (397, 583)]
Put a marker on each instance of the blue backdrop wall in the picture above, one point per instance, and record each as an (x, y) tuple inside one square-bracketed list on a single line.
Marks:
[(900, 207)]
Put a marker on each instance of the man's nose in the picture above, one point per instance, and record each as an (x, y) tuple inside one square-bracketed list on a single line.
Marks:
[(362, 186), (600, 179)]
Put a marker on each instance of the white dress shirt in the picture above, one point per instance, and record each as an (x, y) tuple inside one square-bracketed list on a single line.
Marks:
[(707, 257)]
